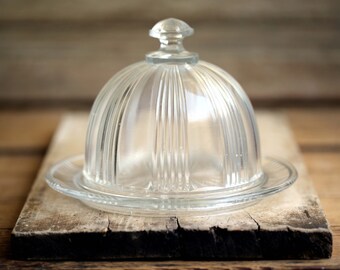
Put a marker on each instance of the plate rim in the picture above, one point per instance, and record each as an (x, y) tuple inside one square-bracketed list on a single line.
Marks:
[(164, 206)]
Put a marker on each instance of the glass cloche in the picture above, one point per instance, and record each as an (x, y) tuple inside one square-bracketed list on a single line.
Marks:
[(171, 135)]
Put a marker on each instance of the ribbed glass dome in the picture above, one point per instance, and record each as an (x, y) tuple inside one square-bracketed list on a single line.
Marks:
[(171, 134), (172, 126)]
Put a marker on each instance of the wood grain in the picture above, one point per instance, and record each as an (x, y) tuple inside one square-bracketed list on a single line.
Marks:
[(282, 52), (316, 128), (325, 170), (34, 129), (30, 132), (50, 221), (318, 173), (147, 10), (64, 65), (17, 174), (305, 122)]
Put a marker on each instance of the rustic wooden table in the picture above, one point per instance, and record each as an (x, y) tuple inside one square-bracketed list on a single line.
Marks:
[(57, 54), (25, 136)]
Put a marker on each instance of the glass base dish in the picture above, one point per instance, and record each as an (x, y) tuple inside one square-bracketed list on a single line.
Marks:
[(67, 178)]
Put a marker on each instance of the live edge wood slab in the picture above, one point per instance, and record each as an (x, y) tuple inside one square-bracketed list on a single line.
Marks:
[(288, 225)]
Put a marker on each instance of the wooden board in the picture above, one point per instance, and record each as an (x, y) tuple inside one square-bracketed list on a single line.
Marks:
[(288, 225)]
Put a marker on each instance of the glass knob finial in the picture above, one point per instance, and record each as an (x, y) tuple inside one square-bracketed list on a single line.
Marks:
[(171, 29), (171, 33)]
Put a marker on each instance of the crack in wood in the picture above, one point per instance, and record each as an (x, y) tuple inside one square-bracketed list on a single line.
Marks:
[(108, 229), (257, 224)]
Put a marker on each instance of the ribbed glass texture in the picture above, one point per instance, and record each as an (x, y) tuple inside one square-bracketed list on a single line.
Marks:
[(171, 135), (163, 128)]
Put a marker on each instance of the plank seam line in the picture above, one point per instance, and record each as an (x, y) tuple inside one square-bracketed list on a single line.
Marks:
[(321, 148), (22, 151)]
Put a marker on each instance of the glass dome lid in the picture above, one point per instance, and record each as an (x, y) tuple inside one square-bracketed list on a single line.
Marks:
[(171, 135)]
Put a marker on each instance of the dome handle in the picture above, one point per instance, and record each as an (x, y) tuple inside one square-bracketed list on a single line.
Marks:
[(171, 33)]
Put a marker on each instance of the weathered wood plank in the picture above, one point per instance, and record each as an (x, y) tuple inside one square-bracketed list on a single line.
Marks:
[(26, 132), (314, 170), (325, 172), (17, 169), (147, 10), (317, 129), (74, 39), (49, 218), (183, 265), (5, 236), (319, 174), (331, 206), (72, 88), (16, 176), (62, 64)]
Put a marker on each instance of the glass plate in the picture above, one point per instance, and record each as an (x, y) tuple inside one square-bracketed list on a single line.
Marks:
[(67, 178)]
